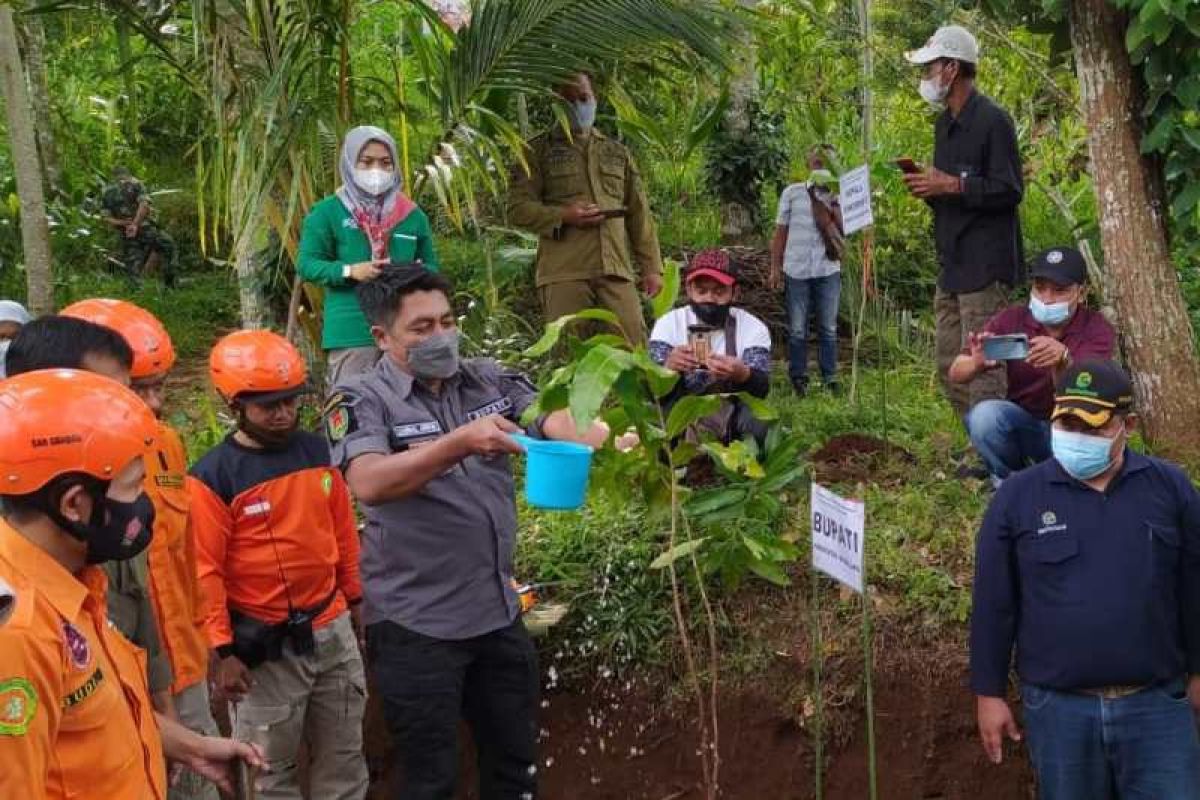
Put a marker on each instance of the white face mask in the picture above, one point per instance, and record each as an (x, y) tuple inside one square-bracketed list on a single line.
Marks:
[(932, 90), (374, 181)]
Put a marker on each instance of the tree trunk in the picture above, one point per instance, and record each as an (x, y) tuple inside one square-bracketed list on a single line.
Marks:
[(738, 219), (252, 293), (33, 36), (35, 230), (1141, 279)]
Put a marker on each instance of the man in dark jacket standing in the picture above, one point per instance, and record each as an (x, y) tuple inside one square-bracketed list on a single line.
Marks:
[(1088, 565), (974, 188)]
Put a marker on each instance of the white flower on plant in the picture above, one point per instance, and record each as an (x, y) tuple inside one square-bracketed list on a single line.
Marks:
[(449, 154), (169, 29)]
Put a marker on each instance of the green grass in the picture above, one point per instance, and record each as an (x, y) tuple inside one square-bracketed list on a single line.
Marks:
[(196, 313)]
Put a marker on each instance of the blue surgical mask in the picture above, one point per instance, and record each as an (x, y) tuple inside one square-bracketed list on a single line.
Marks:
[(1049, 313), (582, 114), (1082, 455)]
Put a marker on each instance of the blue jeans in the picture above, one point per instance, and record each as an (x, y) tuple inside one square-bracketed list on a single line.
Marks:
[(1140, 747), (1007, 437), (819, 296)]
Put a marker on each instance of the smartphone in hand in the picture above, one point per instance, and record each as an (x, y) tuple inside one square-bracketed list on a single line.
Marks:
[(614, 213), (1006, 347), (700, 340), (907, 165)]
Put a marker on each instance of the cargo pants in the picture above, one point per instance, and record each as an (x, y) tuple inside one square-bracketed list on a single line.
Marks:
[(957, 316), (617, 294), (192, 706), (316, 699)]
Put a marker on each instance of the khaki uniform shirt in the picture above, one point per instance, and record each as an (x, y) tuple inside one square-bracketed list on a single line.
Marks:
[(591, 169)]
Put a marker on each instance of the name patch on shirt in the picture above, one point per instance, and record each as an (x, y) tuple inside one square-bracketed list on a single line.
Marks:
[(503, 406), (414, 430), (169, 481), (257, 509), (86, 690), (350, 222)]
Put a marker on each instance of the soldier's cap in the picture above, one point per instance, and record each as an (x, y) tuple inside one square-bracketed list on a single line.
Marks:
[(1063, 266), (714, 264), (949, 41), (1093, 390)]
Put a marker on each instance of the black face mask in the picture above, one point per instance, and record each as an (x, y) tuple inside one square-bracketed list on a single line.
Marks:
[(715, 314), (117, 531), (269, 438)]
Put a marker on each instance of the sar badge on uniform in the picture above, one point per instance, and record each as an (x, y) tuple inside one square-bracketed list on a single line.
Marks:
[(18, 703)]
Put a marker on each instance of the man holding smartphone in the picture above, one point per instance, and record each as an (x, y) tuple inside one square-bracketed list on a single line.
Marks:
[(1012, 433), (973, 187), (582, 194)]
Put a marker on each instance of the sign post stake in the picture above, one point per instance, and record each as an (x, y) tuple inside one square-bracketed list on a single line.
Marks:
[(818, 690), (868, 671), (838, 544)]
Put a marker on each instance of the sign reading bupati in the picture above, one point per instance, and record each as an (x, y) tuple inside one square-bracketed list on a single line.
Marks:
[(837, 536)]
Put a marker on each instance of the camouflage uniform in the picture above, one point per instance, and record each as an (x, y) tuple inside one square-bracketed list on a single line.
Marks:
[(121, 200)]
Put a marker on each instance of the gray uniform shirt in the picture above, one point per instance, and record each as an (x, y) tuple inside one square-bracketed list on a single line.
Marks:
[(438, 562)]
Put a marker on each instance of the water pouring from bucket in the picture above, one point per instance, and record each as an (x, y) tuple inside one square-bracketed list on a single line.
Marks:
[(556, 473)]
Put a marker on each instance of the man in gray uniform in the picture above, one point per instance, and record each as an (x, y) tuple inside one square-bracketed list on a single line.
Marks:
[(424, 440)]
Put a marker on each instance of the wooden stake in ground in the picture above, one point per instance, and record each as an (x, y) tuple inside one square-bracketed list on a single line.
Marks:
[(1140, 277), (35, 230)]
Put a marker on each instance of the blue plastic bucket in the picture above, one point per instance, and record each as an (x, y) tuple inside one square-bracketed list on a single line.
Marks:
[(556, 473)]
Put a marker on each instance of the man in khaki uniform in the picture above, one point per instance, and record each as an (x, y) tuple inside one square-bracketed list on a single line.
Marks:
[(583, 196)]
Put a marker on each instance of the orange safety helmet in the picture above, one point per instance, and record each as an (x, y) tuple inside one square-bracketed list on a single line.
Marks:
[(153, 353), (67, 420), (258, 363)]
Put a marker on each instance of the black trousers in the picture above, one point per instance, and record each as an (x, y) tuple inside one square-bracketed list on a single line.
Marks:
[(427, 685)]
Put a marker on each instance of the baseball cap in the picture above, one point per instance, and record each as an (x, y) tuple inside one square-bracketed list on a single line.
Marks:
[(12, 311), (1093, 391), (949, 41), (1062, 265), (714, 264)]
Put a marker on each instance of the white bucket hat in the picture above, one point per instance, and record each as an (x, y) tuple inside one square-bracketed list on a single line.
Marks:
[(950, 41)]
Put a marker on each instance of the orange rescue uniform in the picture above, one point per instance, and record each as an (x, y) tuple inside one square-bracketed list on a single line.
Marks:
[(75, 716), (174, 585), (262, 518)]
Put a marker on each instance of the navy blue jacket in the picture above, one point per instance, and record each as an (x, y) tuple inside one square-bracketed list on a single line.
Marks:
[(1095, 589)]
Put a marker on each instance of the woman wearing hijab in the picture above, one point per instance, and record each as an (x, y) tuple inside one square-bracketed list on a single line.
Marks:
[(350, 236)]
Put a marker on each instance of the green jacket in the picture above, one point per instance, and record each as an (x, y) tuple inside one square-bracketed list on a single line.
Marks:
[(329, 241), (596, 170)]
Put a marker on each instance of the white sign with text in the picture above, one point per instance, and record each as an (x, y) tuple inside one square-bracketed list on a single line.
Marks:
[(854, 189), (837, 536)]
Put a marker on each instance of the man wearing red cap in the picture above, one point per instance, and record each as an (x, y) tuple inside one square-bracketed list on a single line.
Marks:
[(715, 347)]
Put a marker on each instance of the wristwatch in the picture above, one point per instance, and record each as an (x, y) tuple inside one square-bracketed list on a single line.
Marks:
[(346, 272)]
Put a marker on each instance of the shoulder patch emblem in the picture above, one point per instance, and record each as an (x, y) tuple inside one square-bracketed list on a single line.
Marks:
[(327, 483), (338, 423), (18, 704), (77, 646), (339, 416)]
